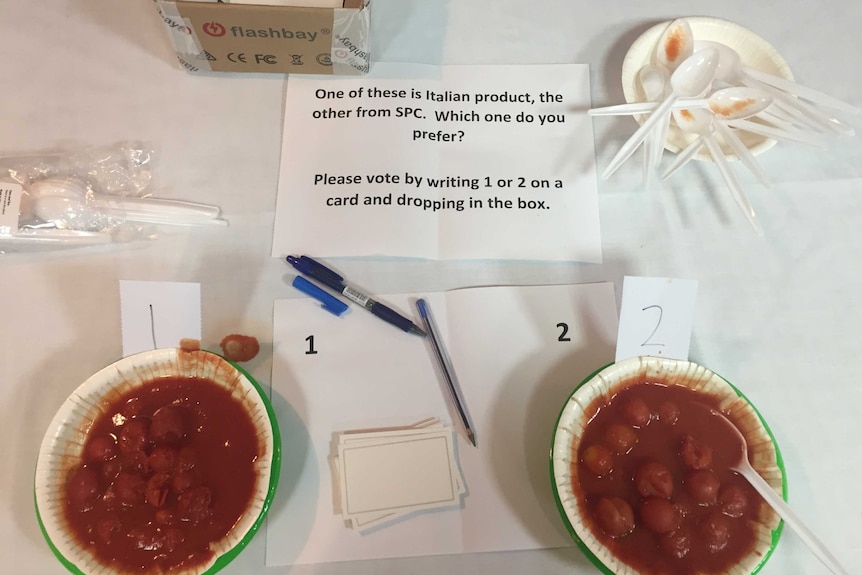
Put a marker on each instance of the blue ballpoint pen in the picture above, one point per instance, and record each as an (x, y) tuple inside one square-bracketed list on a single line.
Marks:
[(446, 367), (315, 270)]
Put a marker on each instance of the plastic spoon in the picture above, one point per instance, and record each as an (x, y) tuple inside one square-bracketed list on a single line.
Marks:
[(76, 189), (732, 70), (646, 107), (74, 214), (675, 45), (744, 468), (725, 98), (700, 121), (653, 82), (775, 133), (736, 104), (727, 104), (690, 79)]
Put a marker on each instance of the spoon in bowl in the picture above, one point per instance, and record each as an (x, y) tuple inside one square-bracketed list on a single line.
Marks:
[(653, 84), (727, 104), (675, 45), (744, 468), (732, 70), (701, 122), (690, 79)]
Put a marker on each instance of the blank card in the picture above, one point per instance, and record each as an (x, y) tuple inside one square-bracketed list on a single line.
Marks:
[(391, 476)]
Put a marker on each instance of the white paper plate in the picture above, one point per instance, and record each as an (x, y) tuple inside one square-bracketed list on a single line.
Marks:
[(754, 51), (606, 383), (66, 435)]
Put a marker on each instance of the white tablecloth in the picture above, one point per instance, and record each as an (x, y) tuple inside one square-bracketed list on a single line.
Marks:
[(779, 316)]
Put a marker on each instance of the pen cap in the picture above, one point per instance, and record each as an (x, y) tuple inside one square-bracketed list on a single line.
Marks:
[(328, 302)]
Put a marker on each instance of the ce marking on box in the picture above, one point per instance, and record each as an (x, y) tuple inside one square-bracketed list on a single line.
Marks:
[(241, 58)]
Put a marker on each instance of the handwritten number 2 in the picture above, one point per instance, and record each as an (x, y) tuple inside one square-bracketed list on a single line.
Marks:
[(565, 329), (655, 329), (311, 350)]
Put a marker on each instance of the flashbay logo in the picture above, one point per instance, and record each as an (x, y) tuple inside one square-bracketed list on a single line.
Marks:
[(214, 29), (281, 33)]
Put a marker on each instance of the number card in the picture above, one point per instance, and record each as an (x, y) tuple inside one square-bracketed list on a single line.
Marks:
[(158, 314), (656, 317)]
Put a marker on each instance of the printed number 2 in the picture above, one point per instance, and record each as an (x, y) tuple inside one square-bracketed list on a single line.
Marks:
[(655, 329), (564, 327), (311, 350)]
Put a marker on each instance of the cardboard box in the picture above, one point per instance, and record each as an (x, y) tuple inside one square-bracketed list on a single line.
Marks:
[(213, 36)]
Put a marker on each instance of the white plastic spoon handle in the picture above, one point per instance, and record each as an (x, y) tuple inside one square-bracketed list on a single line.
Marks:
[(646, 107), (794, 137), (144, 217), (647, 163), (732, 183), (790, 517), (157, 205), (742, 152), (809, 94), (776, 120), (775, 133), (659, 136), (802, 110), (683, 157), (640, 134)]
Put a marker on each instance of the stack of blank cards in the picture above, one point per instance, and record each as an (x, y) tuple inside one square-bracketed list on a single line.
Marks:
[(386, 474)]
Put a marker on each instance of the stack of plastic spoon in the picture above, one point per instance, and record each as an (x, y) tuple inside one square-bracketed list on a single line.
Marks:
[(692, 78), (702, 122), (776, 129), (67, 203), (794, 102), (726, 105)]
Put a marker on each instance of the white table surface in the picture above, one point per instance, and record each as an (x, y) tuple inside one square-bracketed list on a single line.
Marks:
[(780, 316)]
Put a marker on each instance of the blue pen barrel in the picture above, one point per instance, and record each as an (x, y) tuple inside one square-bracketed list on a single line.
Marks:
[(391, 316)]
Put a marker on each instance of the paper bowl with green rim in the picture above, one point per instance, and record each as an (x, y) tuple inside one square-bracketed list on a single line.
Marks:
[(63, 443), (598, 389)]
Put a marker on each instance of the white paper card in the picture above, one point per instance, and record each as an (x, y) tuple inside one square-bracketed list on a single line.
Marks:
[(390, 476), (656, 317), (451, 162), (518, 353), (10, 204), (158, 314)]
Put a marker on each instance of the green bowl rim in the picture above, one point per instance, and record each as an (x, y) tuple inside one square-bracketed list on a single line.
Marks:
[(779, 460), (233, 552)]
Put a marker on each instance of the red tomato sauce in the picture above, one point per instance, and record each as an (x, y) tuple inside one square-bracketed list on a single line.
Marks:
[(655, 484), (166, 471)]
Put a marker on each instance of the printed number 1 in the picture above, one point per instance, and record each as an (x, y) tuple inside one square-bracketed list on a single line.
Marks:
[(655, 329), (311, 350)]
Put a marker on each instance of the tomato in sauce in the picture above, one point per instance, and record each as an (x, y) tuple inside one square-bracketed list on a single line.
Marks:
[(165, 472), (655, 484)]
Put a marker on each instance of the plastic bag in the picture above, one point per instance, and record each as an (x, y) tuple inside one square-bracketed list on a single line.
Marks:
[(86, 197)]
